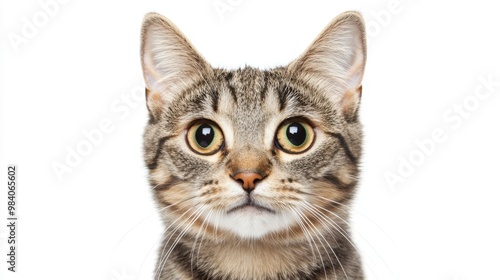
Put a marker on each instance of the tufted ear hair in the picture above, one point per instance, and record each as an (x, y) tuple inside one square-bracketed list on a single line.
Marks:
[(335, 61), (169, 62)]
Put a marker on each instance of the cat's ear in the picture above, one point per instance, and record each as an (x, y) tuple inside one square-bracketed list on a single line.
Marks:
[(335, 61), (169, 61)]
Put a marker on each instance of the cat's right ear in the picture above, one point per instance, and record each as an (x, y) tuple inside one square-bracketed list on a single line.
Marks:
[(169, 62)]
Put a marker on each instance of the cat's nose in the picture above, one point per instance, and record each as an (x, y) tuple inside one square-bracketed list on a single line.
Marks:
[(247, 180)]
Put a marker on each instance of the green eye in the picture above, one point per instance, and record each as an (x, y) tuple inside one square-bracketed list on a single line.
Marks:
[(205, 138), (294, 137)]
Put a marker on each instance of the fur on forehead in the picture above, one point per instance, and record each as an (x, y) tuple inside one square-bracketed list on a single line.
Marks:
[(252, 95)]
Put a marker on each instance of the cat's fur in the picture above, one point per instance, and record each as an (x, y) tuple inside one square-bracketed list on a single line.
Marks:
[(306, 235)]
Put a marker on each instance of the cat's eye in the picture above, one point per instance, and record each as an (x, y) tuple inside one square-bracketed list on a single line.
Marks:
[(294, 137), (205, 138)]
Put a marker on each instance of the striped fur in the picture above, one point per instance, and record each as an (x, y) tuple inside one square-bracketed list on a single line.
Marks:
[(304, 231)]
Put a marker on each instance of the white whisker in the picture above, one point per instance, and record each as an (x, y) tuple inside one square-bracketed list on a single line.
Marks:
[(162, 260), (346, 235)]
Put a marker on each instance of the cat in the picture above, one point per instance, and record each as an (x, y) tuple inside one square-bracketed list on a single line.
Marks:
[(253, 170)]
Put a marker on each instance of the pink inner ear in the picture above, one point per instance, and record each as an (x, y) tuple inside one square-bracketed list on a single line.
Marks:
[(350, 102), (150, 79), (154, 102), (355, 72)]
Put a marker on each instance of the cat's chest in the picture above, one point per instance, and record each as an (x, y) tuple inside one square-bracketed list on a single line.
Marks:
[(247, 261)]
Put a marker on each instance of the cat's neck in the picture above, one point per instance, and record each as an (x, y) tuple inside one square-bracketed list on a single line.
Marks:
[(259, 259)]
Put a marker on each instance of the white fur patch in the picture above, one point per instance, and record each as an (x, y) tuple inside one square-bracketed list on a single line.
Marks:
[(251, 223)]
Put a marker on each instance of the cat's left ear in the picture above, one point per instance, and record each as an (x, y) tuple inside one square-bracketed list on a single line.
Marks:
[(335, 61), (170, 63)]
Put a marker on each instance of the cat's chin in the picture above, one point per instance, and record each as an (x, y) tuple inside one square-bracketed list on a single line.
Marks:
[(249, 221)]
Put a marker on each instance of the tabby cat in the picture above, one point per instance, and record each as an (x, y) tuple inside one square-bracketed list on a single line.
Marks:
[(254, 170)]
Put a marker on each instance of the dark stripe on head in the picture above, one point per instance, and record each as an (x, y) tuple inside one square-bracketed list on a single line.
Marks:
[(232, 90), (214, 96), (154, 163), (344, 145), (286, 93), (264, 88)]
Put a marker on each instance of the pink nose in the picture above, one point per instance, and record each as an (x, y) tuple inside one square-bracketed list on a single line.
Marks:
[(248, 180)]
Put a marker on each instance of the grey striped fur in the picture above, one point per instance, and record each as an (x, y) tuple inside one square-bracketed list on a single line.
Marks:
[(304, 234)]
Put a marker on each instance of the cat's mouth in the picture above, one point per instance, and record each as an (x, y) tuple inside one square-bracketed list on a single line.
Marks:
[(250, 205)]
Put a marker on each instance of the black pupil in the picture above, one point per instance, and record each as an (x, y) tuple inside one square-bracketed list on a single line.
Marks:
[(296, 134), (205, 135)]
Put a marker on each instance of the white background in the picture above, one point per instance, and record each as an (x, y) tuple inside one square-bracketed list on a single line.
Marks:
[(99, 221)]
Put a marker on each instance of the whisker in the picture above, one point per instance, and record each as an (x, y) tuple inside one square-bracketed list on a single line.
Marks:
[(217, 216), (162, 260), (202, 230), (306, 233), (192, 221), (143, 220), (163, 232), (316, 213), (346, 235), (353, 210), (315, 231), (202, 238)]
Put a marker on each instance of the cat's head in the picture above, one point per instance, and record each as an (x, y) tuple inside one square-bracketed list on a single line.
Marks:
[(252, 153)]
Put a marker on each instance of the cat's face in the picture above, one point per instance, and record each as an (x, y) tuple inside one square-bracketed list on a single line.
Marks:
[(253, 153)]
